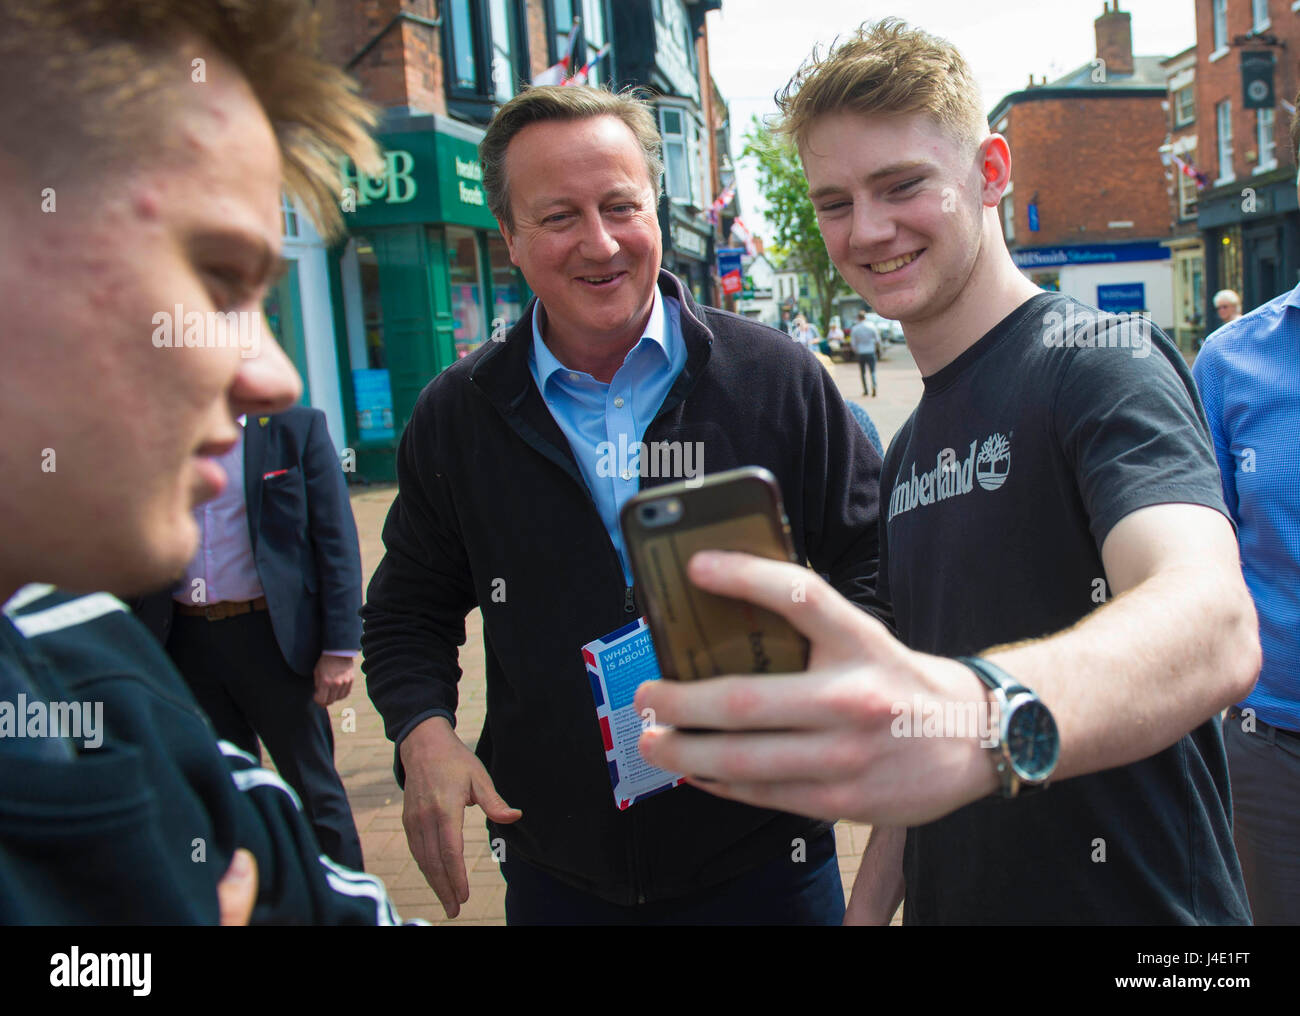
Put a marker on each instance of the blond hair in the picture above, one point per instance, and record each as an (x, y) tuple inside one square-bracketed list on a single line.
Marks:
[(562, 103), (885, 68), (98, 77)]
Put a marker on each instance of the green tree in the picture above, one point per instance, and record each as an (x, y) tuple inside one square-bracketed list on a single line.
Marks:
[(796, 238)]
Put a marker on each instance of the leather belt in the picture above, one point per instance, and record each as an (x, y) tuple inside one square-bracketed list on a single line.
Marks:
[(1265, 729), (224, 609)]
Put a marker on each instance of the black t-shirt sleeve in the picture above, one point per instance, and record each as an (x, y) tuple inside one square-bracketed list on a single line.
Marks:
[(1134, 432)]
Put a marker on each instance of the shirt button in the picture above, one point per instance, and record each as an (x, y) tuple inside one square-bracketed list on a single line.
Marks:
[(618, 402), (573, 376), (627, 474)]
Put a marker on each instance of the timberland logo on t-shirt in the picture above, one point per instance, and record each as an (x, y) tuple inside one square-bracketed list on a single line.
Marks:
[(994, 462), (988, 463)]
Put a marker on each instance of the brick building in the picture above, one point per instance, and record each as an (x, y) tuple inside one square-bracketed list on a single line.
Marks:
[(1248, 214), (662, 47), (1086, 210), (1180, 156)]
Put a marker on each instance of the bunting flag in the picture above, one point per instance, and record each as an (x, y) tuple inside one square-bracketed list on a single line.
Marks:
[(1186, 168), (558, 73), (580, 76), (741, 232), (720, 202)]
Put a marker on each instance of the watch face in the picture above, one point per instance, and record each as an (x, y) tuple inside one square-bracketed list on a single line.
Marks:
[(1032, 741)]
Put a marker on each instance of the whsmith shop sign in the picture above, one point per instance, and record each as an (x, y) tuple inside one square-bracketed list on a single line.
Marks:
[(429, 176), (1088, 254)]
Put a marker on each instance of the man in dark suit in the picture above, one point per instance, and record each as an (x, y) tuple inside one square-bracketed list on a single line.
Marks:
[(264, 624)]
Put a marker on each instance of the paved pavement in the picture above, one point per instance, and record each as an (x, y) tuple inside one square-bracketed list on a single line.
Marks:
[(365, 757)]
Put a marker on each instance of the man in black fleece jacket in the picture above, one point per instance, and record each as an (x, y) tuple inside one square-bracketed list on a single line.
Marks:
[(498, 508)]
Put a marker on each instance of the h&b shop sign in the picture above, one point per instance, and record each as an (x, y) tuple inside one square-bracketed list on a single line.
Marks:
[(428, 176)]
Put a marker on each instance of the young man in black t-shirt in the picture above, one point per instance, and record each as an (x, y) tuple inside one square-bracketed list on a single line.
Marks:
[(1064, 578)]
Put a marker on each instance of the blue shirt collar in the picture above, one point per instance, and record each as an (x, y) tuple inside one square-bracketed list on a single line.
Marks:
[(547, 364)]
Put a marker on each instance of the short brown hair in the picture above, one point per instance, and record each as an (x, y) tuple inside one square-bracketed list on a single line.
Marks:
[(87, 84), (562, 102), (885, 68)]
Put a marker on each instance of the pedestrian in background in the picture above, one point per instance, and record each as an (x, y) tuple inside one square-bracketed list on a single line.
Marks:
[(1228, 305), (804, 333), (866, 341)]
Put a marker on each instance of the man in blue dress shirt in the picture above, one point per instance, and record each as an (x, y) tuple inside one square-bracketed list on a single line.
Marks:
[(1249, 377)]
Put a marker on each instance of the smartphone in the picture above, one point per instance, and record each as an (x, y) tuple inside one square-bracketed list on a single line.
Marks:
[(698, 634)]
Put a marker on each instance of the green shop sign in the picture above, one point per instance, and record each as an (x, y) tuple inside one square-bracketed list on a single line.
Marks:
[(428, 176)]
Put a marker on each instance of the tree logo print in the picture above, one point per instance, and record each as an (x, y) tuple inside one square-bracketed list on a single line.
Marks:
[(994, 462)]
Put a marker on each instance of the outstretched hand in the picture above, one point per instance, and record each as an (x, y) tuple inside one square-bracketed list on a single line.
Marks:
[(823, 743)]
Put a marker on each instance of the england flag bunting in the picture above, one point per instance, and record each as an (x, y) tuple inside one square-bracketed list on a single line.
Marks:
[(580, 77), (558, 74)]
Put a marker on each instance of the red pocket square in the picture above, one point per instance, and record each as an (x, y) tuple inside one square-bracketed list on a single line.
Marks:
[(276, 472)]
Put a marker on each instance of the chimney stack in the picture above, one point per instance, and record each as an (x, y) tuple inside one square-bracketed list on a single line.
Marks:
[(1115, 39)]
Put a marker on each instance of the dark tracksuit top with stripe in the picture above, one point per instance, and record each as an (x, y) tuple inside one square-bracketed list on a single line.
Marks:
[(140, 828)]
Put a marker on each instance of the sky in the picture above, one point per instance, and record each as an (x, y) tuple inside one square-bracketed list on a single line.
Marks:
[(755, 46)]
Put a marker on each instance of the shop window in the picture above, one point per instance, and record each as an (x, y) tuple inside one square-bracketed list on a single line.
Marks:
[(372, 310), (467, 306), (367, 352), (507, 294)]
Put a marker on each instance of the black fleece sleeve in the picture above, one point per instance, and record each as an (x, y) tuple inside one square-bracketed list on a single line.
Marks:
[(414, 617)]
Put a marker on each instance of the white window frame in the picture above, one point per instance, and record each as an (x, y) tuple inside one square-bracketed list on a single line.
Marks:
[(1009, 218), (1190, 91), (1259, 16), (1219, 21), (695, 160), (502, 62), (288, 217), (689, 141), (677, 190), (1223, 140), (1188, 197), (596, 33), (1266, 162)]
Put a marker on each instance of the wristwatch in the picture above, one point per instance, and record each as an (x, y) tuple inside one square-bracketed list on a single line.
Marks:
[(1028, 744)]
